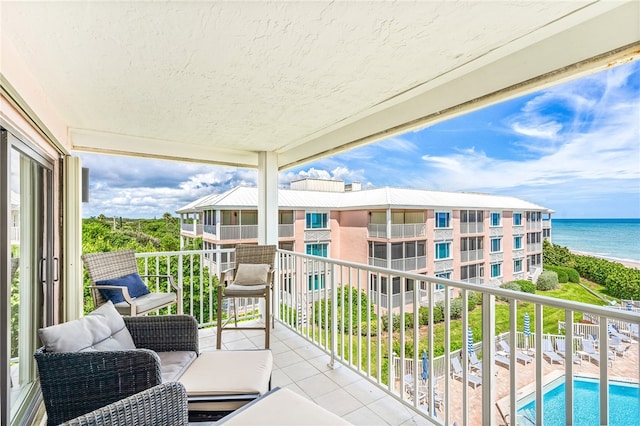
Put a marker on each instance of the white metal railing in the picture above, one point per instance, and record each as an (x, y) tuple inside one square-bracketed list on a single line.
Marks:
[(534, 247), (209, 231), (377, 230), (196, 272), (238, 232), (534, 225), (286, 230), (353, 334)]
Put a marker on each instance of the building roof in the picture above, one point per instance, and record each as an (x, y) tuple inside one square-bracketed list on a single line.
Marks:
[(379, 198)]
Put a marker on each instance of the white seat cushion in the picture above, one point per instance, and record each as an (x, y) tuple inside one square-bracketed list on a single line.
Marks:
[(229, 373), (282, 407)]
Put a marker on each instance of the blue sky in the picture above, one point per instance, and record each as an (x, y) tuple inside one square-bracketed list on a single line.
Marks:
[(574, 148)]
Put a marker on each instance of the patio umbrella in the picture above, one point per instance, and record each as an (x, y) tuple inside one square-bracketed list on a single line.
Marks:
[(527, 329), (425, 366), (470, 341)]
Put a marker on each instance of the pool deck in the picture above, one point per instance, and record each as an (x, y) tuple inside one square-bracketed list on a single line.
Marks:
[(624, 368)]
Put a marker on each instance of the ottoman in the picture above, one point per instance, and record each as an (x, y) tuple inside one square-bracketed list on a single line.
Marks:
[(222, 381), (282, 407)]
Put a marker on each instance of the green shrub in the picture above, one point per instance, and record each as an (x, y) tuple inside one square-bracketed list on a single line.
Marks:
[(548, 280), (574, 276), (423, 313), (511, 285), (438, 313), (527, 286), (455, 309), (408, 320), (472, 300), (374, 328), (560, 270)]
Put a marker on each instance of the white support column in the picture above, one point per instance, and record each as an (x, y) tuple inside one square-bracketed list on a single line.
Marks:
[(73, 281), (488, 354), (267, 198), (268, 215)]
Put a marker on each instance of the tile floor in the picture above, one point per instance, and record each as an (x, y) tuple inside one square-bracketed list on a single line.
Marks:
[(303, 368)]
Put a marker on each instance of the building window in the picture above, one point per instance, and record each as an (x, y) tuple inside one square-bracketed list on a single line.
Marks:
[(517, 265), (496, 270), (471, 216), (496, 219), (318, 249), (443, 220), (517, 219), (315, 282), (472, 271), (443, 251), (517, 242), (316, 220), (495, 245), (471, 243)]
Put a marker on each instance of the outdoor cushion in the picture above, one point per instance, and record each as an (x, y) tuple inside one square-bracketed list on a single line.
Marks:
[(245, 290), (237, 372), (133, 282), (251, 274), (101, 330), (282, 407), (173, 364), (146, 302)]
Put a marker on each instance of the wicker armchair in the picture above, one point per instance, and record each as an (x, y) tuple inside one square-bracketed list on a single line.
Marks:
[(75, 383), (116, 264), (252, 255), (162, 405)]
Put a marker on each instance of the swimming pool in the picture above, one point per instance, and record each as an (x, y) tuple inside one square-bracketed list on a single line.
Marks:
[(624, 403)]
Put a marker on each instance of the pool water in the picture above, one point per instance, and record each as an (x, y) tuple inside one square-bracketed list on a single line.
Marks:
[(624, 404)]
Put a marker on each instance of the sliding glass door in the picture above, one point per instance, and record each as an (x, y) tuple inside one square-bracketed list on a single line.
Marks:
[(28, 281)]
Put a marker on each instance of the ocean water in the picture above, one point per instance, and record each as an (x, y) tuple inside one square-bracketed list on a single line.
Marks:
[(612, 238)]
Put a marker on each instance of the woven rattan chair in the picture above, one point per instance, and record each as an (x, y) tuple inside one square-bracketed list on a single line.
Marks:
[(251, 255), (75, 383), (162, 405), (116, 264)]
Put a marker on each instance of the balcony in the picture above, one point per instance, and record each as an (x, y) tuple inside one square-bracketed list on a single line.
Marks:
[(191, 229), (398, 230), (404, 264), (318, 329), (243, 232)]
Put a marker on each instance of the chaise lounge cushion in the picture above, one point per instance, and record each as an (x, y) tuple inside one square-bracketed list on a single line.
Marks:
[(101, 330)]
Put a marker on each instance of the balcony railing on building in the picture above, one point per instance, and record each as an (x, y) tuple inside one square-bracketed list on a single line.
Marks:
[(243, 232), (398, 230), (316, 298)]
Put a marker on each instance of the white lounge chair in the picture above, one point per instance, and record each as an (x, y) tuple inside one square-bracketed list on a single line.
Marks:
[(526, 359), (548, 352), (475, 363), (561, 350), (587, 347), (473, 380)]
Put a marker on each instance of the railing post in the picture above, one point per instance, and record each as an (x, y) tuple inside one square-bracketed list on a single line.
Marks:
[(334, 322), (488, 355)]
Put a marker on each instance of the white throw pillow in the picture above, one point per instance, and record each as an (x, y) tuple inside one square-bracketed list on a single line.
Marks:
[(251, 274), (101, 330)]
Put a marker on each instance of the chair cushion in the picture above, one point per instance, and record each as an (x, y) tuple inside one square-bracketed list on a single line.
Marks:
[(282, 407), (133, 282), (229, 373), (101, 330), (245, 290), (173, 364), (147, 302), (251, 274)]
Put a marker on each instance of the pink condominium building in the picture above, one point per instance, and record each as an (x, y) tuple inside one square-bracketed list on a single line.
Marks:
[(473, 237)]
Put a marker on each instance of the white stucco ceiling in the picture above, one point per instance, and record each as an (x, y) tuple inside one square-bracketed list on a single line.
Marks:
[(219, 81)]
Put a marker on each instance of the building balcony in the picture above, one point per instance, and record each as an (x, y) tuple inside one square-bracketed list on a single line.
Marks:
[(243, 232), (398, 230), (405, 264), (191, 229), (337, 354)]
